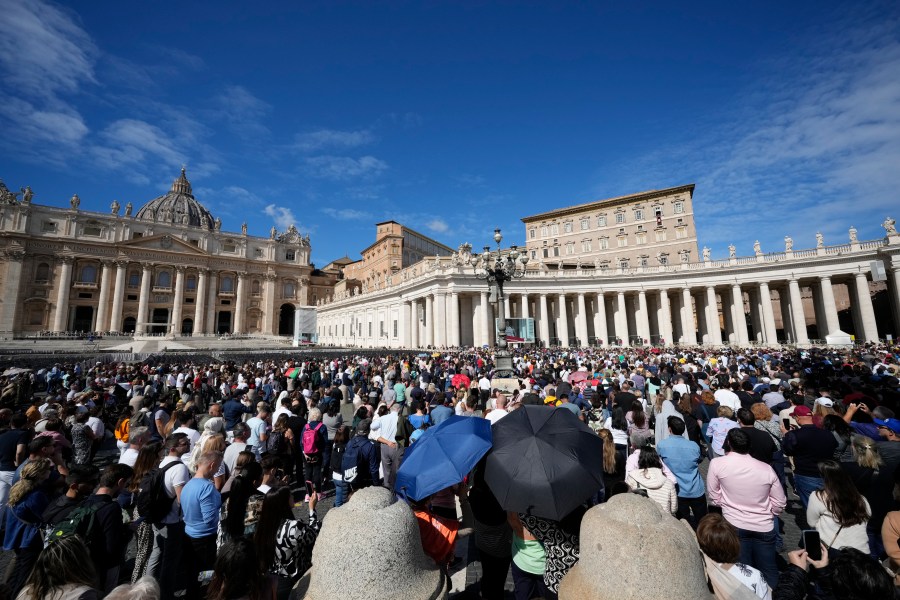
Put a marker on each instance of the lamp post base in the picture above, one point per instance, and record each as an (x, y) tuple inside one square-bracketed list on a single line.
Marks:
[(504, 364)]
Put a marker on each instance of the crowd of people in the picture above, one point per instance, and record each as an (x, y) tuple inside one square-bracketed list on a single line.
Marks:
[(216, 460)]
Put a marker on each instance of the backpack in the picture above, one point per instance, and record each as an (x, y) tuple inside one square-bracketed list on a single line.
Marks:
[(350, 461), (81, 522), (312, 443), (153, 503), (275, 443)]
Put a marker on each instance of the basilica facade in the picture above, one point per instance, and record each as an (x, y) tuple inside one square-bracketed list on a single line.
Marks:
[(166, 268)]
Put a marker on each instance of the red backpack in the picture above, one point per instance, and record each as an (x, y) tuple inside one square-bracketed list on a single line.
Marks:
[(312, 443)]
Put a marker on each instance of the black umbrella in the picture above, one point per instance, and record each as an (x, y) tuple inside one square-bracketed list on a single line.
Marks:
[(545, 462)]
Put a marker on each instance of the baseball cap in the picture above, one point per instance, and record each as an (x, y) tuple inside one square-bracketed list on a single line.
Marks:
[(535, 387), (802, 411), (892, 424), (364, 427), (827, 402)]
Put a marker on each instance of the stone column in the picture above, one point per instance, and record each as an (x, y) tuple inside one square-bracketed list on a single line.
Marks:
[(643, 318), (581, 326), (622, 319), (562, 328), (829, 307), (600, 330), (894, 286), (414, 324), (240, 303), (115, 319), (200, 302), (525, 309), (61, 316), (486, 324), (799, 319), (429, 320), (866, 311), (440, 319), (664, 317), (738, 317), (144, 300), (544, 323), (688, 323), (211, 313), (770, 334), (270, 327), (453, 337), (178, 304), (106, 284), (714, 329), (507, 313), (12, 286), (404, 324)]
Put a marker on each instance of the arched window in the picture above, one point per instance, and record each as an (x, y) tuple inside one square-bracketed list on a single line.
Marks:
[(289, 289), (88, 274), (255, 288), (134, 279), (42, 273), (227, 284), (164, 279), (191, 283)]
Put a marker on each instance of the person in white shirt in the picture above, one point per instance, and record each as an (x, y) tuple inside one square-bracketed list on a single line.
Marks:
[(499, 411), (725, 397), (137, 437), (188, 427)]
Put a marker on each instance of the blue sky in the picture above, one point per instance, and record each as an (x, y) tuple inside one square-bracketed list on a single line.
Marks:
[(458, 117)]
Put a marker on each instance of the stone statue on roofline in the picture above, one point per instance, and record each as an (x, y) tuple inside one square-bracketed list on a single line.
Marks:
[(853, 238), (788, 244), (706, 253), (272, 233), (128, 208), (820, 240), (27, 194), (732, 251), (75, 202), (890, 226), (244, 228), (757, 249), (114, 207)]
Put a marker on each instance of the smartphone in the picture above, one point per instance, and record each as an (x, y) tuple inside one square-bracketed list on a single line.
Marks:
[(786, 423), (812, 544)]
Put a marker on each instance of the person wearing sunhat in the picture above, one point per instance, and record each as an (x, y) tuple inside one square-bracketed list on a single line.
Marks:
[(807, 445)]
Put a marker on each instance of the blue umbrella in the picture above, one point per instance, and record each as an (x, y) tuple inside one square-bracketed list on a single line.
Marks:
[(443, 456)]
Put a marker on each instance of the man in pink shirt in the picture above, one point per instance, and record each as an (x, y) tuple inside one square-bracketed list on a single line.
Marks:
[(751, 497)]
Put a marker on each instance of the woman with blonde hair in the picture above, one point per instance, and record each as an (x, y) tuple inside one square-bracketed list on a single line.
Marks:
[(613, 462), (27, 502), (63, 571), (865, 464), (216, 443)]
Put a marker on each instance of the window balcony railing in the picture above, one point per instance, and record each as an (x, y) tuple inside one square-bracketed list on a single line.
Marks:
[(226, 294), (162, 289), (85, 285)]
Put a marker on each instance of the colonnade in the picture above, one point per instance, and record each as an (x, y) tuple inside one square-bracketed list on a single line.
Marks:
[(714, 313)]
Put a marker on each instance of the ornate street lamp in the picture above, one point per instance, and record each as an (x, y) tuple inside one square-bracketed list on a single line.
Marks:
[(497, 268)]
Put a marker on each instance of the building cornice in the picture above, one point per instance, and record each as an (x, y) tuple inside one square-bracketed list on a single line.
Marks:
[(609, 202)]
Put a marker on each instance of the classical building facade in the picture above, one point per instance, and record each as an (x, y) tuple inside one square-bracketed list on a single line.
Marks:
[(167, 268), (395, 247), (766, 298), (638, 230)]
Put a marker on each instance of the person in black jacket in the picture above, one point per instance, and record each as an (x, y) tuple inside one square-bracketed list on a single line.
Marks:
[(81, 481), (110, 537), (361, 459)]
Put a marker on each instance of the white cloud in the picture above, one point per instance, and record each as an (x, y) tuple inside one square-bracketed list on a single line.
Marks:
[(331, 139), (437, 225), (344, 167), (131, 141), (814, 147), (281, 215), (243, 111), (43, 51), (347, 214)]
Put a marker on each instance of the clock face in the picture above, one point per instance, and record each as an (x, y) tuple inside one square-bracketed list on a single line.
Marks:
[(165, 242)]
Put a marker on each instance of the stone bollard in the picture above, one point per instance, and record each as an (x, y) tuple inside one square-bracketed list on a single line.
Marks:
[(370, 549), (632, 550)]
